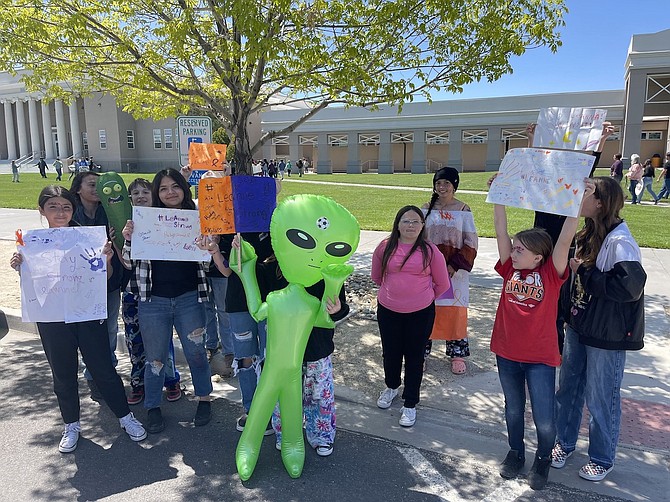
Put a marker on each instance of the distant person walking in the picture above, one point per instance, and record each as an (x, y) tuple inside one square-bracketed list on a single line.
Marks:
[(648, 181), (42, 166), (665, 176), (616, 171), (15, 172), (58, 167)]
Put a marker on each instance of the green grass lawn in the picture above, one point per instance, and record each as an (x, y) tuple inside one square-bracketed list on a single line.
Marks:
[(376, 207)]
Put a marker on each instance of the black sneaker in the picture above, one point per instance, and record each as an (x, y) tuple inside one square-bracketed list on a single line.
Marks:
[(512, 464), (539, 473), (96, 395), (155, 423), (242, 421), (203, 414)]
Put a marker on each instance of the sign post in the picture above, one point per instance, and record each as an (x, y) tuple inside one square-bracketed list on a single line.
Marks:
[(192, 129)]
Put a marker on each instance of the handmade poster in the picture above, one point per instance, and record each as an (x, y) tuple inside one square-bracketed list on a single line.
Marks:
[(166, 234), (569, 128), (64, 275), (236, 204), (551, 181), (208, 156)]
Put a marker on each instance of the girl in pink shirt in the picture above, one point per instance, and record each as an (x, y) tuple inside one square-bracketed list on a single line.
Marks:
[(410, 272)]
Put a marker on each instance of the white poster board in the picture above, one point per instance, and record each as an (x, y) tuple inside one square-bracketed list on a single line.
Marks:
[(64, 275), (166, 234), (569, 128), (551, 181)]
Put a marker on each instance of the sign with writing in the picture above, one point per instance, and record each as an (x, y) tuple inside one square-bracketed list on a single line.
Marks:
[(210, 156), (64, 275), (236, 204), (569, 128), (166, 234), (551, 181), (192, 129), (195, 176)]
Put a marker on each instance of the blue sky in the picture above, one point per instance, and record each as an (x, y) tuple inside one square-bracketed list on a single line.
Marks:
[(595, 44)]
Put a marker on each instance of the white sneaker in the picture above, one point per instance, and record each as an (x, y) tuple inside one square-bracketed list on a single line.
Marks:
[(408, 417), (133, 427), (68, 442), (386, 398)]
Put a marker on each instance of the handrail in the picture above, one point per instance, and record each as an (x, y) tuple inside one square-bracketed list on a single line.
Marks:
[(433, 165), (25, 159), (369, 165)]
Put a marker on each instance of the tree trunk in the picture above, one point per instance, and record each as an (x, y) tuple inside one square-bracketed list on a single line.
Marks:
[(243, 155)]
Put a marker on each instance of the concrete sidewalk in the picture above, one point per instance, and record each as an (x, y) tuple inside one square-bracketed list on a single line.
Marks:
[(465, 421)]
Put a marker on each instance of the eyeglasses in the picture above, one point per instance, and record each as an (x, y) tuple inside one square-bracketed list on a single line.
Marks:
[(411, 222)]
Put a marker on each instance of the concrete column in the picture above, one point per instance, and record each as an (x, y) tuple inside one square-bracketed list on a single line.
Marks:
[(493, 149), (293, 148), (384, 162), (60, 129), (353, 160), (9, 131), (21, 128), (632, 125), (323, 164), (419, 152), (35, 143), (74, 127), (46, 131), (455, 158)]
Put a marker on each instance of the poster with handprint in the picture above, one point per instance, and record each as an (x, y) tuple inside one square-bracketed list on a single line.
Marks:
[(64, 275), (551, 181), (569, 128)]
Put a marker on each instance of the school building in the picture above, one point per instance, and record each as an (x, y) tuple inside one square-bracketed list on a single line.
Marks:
[(469, 134)]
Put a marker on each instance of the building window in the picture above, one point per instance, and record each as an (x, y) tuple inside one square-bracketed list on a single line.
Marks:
[(338, 140), (158, 142), (368, 139), (84, 140), (658, 89), (507, 134), (102, 134), (402, 137), (280, 140), (652, 135), (167, 134), (130, 139), (437, 137), (475, 137), (308, 140)]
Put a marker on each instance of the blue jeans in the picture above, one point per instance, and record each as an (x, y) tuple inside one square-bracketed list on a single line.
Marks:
[(631, 189), (665, 191), (157, 317), (592, 375), (113, 306), (248, 343), (647, 184), (540, 379), (218, 321)]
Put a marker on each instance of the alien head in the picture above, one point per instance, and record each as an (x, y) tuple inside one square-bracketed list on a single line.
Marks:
[(111, 188), (309, 232)]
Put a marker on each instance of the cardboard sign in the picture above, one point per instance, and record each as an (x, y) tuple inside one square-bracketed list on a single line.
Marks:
[(236, 204), (569, 128), (64, 275), (166, 234), (208, 156), (551, 181)]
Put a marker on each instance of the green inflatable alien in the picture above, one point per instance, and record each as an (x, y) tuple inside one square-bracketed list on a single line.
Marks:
[(115, 201), (312, 237)]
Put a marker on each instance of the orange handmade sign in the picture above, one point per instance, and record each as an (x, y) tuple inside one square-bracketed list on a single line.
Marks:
[(236, 204), (210, 156)]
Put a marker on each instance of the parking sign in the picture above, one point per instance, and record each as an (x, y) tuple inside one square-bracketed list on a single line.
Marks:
[(192, 129)]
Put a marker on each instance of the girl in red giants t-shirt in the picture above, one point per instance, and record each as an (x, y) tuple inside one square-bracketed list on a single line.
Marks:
[(524, 335)]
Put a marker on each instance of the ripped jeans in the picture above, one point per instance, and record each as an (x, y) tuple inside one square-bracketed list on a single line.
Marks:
[(248, 342), (157, 318)]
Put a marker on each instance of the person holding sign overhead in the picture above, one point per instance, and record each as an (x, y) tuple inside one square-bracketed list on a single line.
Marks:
[(61, 341), (171, 295)]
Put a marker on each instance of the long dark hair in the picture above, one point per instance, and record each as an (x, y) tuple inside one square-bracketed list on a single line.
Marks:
[(176, 176), (77, 182), (590, 239), (52, 191), (394, 238)]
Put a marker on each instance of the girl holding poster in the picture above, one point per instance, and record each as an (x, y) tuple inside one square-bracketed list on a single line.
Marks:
[(171, 296), (451, 227), (524, 337), (61, 342)]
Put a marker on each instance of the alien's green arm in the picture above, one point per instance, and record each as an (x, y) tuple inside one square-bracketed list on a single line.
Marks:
[(247, 274), (333, 277)]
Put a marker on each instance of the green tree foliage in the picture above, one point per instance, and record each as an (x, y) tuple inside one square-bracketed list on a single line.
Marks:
[(232, 58)]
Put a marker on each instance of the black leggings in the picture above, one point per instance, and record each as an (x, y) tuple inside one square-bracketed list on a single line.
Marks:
[(404, 335)]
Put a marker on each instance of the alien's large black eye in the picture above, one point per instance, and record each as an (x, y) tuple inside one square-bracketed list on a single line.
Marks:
[(301, 238), (338, 249)]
